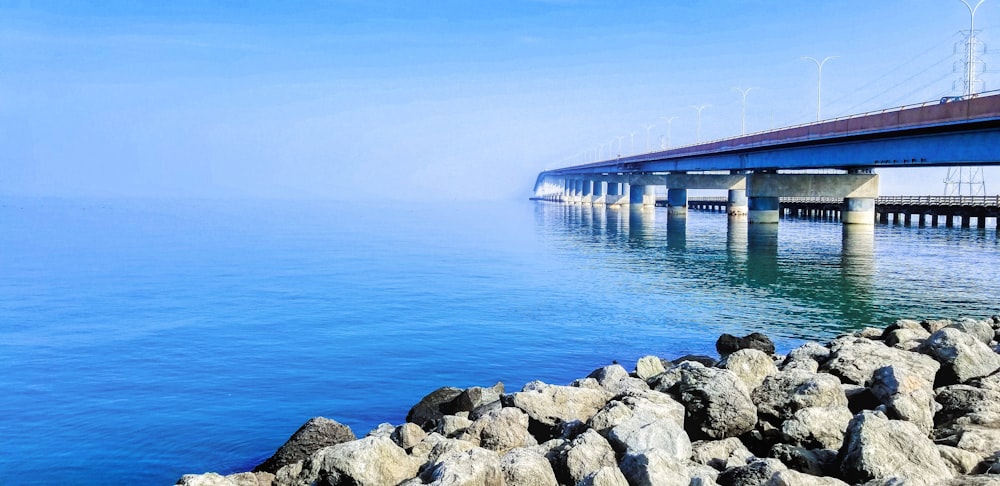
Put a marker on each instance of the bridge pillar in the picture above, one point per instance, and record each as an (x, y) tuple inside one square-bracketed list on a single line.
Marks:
[(614, 193), (763, 209), (599, 193), (677, 201), (859, 210), (586, 196), (736, 202), (644, 195)]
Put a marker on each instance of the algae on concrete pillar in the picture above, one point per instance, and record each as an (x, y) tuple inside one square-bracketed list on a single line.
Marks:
[(763, 209), (736, 202), (859, 210)]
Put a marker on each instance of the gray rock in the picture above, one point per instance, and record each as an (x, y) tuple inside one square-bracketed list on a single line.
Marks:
[(878, 448), (756, 473), (315, 434), (452, 425), (384, 429), (443, 446), (648, 367), (906, 396), (607, 376), (873, 333), (817, 462), (605, 476), (990, 480), (475, 467), (817, 427), (795, 478), (854, 360), (785, 392), (727, 343), (653, 403), (811, 350), (717, 404), (934, 325), (524, 467), (588, 453), (720, 454), (961, 355), (693, 358), (428, 410), (371, 461), (551, 405), (750, 365), (969, 437), (260, 478), (651, 426), (981, 330), (500, 430), (654, 467), (472, 398), (408, 435), (960, 462), (906, 339)]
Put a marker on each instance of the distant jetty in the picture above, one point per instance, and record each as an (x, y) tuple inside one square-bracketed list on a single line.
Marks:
[(916, 403)]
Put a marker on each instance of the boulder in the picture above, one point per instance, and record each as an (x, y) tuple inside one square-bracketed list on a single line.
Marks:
[(371, 461), (720, 454), (650, 426), (906, 396), (750, 365), (623, 408), (817, 462), (500, 430), (790, 477), (384, 429), (782, 394), (524, 467), (654, 467), (969, 437), (442, 446), (408, 435), (962, 356), (907, 339), (428, 410), (756, 473), (981, 330), (728, 344), (934, 325), (960, 462), (717, 403), (260, 478), (605, 476), (452, 425), (809, 351), (648, 367), (693, 358), (588, 453), (475, 467), (878, 448), (817, 427), (472, 398), (550, 406), (854, 360), (315, 434)]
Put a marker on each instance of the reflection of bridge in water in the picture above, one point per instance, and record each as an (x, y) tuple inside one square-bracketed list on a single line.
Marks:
[(926, 210)]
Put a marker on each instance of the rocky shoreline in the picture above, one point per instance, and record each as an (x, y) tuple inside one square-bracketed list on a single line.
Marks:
[(916, 403)]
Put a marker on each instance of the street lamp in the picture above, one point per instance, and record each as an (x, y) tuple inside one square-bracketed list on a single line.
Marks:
[(819, 83), (971, 70), (743, 117), (698, 132), (670, 122)]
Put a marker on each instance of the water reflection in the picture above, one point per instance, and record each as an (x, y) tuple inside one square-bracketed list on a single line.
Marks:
[(762, 254), (677, 231)]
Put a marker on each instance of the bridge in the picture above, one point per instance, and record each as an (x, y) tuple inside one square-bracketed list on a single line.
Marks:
[(761, 168)]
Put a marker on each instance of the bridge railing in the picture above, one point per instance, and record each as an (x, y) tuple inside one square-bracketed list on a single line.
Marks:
[(978, 201)]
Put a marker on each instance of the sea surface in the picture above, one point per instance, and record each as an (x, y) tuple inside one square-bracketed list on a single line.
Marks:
[(144, 339)]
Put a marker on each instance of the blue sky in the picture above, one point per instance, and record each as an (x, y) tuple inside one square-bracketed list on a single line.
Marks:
[(440, 100)]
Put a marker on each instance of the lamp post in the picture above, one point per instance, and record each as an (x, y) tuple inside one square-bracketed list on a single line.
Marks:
[(971, 47), (743, 117), (670, 122), (698, 131), (819, 83)]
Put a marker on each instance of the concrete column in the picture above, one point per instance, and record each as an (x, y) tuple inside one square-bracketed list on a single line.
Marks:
[(614, 196), (736, 203), (599, 193), (859, 210), (763, 209), (644, 195), (677, 201), (588, 191), (567, 189)]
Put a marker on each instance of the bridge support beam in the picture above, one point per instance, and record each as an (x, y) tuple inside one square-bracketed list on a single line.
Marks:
[(642, 195), (736, 202), (599, 193), (614, 196), (677, 201), (859, 191), (587, 192)]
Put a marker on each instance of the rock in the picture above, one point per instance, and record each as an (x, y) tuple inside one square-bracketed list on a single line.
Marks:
[(549, 406), (727, 343), (794, 478), (873, 333), (907, 339), (371, 461), (315, 434), (817, 427), (428, 410), (991, 382), (524, 467), (906, 396), (961, 355), (667, 381), (607, 376), (500, 430), (240, 479), (648, 367), (605, 476), (443, 446), (288, 475), (750, 365), (472, 398), (817, 462), (859, 398), (934, 325), (408, 435), (990, 480), (588, 453), (475, 467), (785, 392), (756, 473), (960, 462), (452, 425), (654, 467), (878, 448), (720, 454), (981, 330), (650, 426), (701, 359), (623, 408), (811, 351), (717, 403), (973, 438), (854, 360)]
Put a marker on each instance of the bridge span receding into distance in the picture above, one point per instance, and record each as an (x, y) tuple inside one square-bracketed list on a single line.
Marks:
[(761, 168)]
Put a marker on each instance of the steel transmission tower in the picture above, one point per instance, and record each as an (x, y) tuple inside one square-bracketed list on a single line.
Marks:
[(968, 180)]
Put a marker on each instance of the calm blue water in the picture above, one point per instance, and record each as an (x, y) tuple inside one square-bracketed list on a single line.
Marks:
[(141, 340)]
